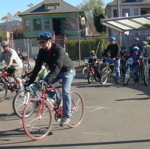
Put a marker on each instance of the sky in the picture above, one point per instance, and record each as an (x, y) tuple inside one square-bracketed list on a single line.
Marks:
[(12, 6)]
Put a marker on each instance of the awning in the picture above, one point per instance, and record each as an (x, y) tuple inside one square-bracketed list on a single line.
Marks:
[(123, 24)]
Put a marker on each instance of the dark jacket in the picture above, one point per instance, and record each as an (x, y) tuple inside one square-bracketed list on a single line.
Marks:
[(57, 61), (114, 51)]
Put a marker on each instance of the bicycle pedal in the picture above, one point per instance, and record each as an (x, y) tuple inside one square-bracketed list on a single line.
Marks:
[(50, 133)]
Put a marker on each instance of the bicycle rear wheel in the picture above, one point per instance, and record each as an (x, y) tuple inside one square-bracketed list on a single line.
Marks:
[(19, 102), (27, 66), (77, 109), (38, 125), (3, 91)]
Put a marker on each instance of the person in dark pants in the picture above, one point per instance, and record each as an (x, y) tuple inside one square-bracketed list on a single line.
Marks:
[(60, 66), (114, 50)]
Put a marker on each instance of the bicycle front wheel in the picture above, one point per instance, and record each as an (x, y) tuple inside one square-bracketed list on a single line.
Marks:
[(3, 91), (146, 76), (19, 102), (77, 109), (91, 78), (39, 124), (104, 76), (85, 72)]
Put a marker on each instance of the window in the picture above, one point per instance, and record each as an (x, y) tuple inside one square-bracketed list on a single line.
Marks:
[(115, 13), (47, 24), (51, 7), (145, 11), (27, 25), (136, 11), (37, 24), (125, 11)]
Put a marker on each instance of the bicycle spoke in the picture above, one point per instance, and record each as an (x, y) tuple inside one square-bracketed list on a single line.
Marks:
[(38, 125)]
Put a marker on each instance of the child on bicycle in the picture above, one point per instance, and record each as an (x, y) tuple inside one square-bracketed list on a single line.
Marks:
[(136, 64), (145, 53), (42, 73), (92, 62)]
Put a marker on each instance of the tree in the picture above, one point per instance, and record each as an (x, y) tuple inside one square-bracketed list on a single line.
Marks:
[(12, 23), (97, 16), (94, 10)]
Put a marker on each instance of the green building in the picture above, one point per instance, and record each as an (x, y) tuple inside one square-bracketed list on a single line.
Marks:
[(56, 16)]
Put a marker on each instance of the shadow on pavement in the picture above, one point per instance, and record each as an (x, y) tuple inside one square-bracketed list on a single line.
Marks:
[(78, 144), (141, 87), (8, 117)]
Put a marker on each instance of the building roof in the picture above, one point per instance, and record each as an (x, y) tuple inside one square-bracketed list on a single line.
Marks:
[(123, 24), (124, 2), (62, 7)]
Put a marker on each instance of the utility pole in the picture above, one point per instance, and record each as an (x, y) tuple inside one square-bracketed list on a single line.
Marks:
[(118, 8), (118, 11)]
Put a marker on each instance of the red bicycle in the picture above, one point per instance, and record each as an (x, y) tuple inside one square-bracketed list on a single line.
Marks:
[(38, 125)]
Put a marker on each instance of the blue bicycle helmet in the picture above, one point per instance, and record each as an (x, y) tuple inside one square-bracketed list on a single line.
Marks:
[(143, 43), (136, 39), (4, 43), (112, 38), (148, 38), (45, 36), (135, 48)]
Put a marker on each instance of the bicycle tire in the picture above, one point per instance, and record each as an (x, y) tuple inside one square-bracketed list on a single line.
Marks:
[(3, 91), (104, 76), (27, 66), (39, 124), (77, 109), (146, 76), (91, 79), (19, 102), (126, 77), (85, 72)]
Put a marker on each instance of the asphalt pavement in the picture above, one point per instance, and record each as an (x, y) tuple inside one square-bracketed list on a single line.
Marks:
[(116, 117)]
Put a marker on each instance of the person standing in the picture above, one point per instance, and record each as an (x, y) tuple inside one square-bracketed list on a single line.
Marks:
[(60, 66), (114, 50)]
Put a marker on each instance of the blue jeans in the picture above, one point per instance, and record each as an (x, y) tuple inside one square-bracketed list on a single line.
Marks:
[(117, 69), (67, 78)]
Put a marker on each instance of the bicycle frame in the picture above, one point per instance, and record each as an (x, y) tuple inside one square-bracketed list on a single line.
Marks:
[(4, 77), (41, 109), (109, 66)]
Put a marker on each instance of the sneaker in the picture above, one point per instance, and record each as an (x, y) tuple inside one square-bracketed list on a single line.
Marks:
[(52, 101), (21, 88), (64, 121), (117, 81)]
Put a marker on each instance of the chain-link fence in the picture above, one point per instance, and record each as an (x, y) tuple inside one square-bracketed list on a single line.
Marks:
[(30, 47)]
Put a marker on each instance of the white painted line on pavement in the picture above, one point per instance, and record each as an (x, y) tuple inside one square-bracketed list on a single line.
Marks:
[(96, 134), (96, 108)]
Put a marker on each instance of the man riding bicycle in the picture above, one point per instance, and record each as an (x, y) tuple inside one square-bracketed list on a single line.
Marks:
[(13, 62), (60, 66)]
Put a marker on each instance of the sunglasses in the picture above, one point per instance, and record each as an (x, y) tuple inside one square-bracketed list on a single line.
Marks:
[(41, 42), (4, 46)]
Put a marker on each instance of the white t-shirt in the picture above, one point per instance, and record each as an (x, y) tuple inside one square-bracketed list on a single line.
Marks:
[(6, 55)]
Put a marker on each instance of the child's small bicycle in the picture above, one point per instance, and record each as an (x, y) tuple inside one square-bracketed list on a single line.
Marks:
[(38, 123)]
